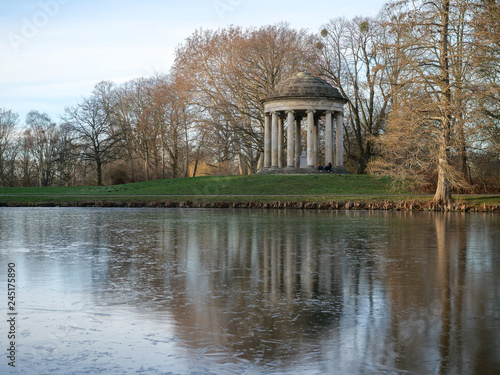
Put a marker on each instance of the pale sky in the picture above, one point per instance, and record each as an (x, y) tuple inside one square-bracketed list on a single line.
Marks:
[(55, 51)]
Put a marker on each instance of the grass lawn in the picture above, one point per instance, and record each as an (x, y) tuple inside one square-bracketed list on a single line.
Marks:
[(230, 185), (262, 188)]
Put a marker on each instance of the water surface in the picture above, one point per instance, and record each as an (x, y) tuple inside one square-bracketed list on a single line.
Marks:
[(182, 291)]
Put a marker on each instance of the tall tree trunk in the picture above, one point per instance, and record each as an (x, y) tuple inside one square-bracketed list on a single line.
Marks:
[(2, 179), (241, 165), (443, 189), (462, 147), (99, 172), (195, 167)]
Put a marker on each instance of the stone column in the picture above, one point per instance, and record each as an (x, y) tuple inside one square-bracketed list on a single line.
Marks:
[(339, 134), (267, 141), (316, 141), (281, 147), (298, 141), (328, 138), (290, 147), (274, 140), (310, 138)]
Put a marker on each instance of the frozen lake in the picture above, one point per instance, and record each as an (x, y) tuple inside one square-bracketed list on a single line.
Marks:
[(194, 291)]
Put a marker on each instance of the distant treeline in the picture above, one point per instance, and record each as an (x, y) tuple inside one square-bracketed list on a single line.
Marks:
[(421, 79)]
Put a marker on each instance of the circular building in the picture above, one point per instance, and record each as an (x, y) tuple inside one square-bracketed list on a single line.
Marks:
[(303, 97)]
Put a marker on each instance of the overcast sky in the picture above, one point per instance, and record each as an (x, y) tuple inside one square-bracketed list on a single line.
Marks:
[(55, 51)]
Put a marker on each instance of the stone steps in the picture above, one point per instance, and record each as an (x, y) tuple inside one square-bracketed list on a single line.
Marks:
[(280, 171)]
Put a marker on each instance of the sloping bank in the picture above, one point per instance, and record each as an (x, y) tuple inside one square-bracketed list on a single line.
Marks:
[(386, 205)]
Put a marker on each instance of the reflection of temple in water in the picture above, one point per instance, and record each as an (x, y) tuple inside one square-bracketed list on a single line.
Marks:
[(254, 287), (250, 283), (267, 285)]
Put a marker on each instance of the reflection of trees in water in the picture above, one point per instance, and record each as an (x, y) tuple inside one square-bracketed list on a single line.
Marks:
[(411, 291), (248, 283), (432, 294), (254, 287), (266, 285)]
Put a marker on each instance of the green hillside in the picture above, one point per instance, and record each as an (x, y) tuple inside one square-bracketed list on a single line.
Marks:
[(258, 188), (326, 184)]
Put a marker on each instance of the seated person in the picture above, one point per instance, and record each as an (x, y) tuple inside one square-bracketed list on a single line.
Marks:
[(328, 168), (320, 167)]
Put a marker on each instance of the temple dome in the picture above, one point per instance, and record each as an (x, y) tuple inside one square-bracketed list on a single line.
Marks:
[(304, 85)]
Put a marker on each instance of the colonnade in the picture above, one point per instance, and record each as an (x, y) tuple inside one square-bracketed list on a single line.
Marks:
[(274, 138)]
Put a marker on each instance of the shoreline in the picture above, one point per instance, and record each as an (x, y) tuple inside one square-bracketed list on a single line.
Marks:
[(387, 205)]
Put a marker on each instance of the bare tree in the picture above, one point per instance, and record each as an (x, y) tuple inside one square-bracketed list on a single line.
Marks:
[(441, 82), (231, 71), (8, 122), (25, 168), (44, 146), (97, 138), (176, 120), (156, 120), (424, 105), (140, 127), (65, 161), (486, 61), (438, 119), (354, 60)]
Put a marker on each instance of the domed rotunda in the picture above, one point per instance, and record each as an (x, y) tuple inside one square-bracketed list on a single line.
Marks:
[(303, 97)]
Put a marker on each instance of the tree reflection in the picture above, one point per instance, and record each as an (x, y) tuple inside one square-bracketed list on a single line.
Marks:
[(239, 285), (355, 288)]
